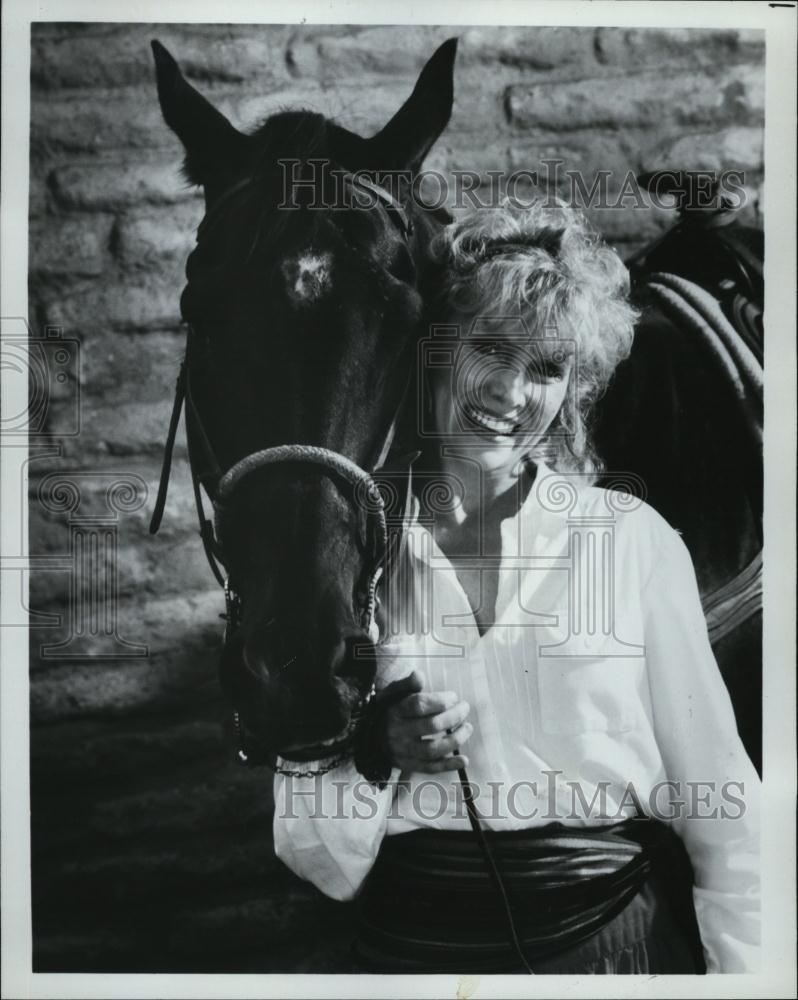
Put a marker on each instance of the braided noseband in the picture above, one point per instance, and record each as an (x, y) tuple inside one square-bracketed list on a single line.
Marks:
[(365, 491)]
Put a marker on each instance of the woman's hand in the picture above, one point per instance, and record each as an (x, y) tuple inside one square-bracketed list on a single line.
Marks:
[(424, 730)]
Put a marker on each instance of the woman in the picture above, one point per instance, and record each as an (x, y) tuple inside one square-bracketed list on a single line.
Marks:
[(546, 635)]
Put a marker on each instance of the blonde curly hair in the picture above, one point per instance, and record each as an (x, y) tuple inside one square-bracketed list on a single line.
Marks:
[(545, 263)]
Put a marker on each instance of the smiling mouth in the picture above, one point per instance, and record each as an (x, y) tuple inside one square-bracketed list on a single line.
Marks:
[(505, 426)]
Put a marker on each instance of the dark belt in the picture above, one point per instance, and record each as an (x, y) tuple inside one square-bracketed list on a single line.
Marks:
[(430, 901)]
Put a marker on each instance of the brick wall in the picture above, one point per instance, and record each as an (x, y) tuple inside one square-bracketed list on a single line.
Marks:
[(151, 848)]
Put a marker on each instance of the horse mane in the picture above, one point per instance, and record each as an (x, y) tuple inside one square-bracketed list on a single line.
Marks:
[(299, 134)]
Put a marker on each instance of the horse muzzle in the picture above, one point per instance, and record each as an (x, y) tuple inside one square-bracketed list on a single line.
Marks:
[(301, 706), (334, 745)]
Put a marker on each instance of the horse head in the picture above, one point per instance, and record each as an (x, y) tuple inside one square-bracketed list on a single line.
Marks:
[(303, 307)]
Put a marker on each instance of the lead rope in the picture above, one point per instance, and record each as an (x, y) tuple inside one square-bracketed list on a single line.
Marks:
[(475, 820)]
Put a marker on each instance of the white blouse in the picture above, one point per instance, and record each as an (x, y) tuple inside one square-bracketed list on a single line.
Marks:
[(594, 694)]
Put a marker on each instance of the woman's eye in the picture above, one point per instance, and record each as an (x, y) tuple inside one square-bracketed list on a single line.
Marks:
[(548, 373)]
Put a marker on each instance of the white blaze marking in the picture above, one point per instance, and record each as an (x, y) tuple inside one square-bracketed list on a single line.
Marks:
[(308, 276)]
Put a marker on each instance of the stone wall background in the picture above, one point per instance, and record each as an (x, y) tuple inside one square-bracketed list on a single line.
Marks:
[(151, 848)]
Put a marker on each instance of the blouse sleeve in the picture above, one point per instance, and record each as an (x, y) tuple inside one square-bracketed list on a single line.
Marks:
[(328, 829), (704, 760)]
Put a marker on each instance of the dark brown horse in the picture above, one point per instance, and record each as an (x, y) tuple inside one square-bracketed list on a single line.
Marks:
[(303, 313)]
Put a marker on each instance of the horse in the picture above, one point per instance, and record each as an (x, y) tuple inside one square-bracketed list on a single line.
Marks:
[(684, 414), (303, 309)]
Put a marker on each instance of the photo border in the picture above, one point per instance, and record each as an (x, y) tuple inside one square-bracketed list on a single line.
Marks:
[(778, 836)]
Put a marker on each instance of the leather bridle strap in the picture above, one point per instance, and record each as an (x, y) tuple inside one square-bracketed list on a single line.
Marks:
[(206, 531), (209, 477), (392, 205), (166, 464)]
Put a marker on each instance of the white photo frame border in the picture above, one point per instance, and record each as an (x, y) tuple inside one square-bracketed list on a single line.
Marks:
[(778, 21)]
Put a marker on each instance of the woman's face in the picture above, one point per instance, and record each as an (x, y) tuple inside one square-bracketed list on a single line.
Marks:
[(501, 395)]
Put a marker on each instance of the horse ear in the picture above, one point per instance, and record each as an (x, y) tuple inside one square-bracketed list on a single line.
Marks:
[(213, 146), (410, 134)]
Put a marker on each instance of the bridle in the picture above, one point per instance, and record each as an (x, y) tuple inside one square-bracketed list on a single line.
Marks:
[(221, 485)]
